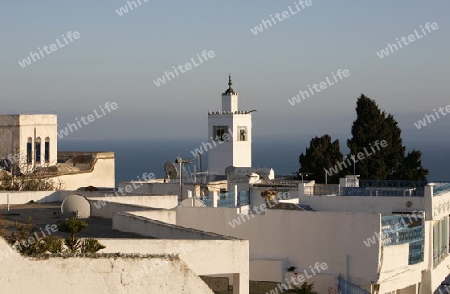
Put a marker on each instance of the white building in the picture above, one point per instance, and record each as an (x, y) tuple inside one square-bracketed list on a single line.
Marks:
[(165, 259), (29, 143), (374, 239), (230, 134), (29, 139)]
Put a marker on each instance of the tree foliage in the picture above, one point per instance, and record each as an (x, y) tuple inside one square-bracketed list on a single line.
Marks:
[(23, 238), (371, 127), (411, 167), (321, 154), (18, 175), (74, 244), (90, 245), (390, 162), (25, 182)]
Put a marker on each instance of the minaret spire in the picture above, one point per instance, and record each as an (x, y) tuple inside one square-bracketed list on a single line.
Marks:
[(229, 90)]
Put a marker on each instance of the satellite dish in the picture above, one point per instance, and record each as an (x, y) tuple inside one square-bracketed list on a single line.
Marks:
[(76, 205), (171, 170)]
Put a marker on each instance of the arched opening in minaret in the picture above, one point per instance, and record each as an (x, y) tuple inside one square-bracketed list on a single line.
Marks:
[(220, 133), (242, 134), (37, 150), (29, 150)]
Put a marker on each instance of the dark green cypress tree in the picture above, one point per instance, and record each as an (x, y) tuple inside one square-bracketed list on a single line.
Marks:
[(411, 168), (372, 124), (322, 153)]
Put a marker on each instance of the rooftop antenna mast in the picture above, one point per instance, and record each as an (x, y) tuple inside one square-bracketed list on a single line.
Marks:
[(181, 161)]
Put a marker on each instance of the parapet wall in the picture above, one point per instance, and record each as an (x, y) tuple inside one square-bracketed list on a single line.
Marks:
[(127, 222), (154, 201), (106, 209), (96, 275)]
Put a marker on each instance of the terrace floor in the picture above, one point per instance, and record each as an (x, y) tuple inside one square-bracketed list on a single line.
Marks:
[(50, 213)]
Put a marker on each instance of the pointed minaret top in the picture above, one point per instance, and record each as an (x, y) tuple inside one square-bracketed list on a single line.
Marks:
[(229, 90)]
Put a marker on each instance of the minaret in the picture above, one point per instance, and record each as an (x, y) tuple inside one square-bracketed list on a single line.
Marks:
[(229, 98), (230, 134)]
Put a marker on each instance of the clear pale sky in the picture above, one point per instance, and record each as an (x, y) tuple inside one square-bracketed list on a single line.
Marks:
[(118, 57)]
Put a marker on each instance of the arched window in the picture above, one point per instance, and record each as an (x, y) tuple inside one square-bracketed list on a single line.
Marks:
[(29, 150), (242, 134), (37, 150), (220, 133), (47, 150)]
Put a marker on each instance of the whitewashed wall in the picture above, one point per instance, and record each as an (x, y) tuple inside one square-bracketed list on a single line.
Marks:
[(299, 238), (204, 257), (106, 209), (154, 201), (95, 275), (162, 215), (102, 175)]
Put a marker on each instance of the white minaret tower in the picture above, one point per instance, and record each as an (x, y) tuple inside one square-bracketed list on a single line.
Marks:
[(230, 135)]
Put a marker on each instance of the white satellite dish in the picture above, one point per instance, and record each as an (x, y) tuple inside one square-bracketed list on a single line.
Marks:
[(76, 206), (171, 170)]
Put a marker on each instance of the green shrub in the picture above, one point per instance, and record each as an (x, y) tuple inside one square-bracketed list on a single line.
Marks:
[(90, 245), (304, 289)]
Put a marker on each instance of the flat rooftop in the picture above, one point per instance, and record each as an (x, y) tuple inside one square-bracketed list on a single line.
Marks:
[(50, 213)]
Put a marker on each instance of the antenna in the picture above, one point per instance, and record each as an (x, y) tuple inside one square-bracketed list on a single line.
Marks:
[(198, 156)]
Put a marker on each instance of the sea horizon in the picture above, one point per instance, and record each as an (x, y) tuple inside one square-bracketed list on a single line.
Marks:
[(135, 157)]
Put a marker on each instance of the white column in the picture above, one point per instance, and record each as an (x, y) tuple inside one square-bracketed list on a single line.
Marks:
[(428, 202), (189, 195), (235, 195), (240, 284), (215, 198)]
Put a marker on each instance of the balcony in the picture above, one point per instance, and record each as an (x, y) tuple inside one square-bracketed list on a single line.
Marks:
[(228, 200), (393, 188), (395, 231)]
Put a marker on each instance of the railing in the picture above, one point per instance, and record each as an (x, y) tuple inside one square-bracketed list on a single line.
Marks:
[(391, 221), (402, 236), (441, 188), (309, 190), (395, 231), (227, 199), (439, 254), (321, 190), (392, 183), (326, 190), (415, 252), (383, 191), (243, 198), (345, 287), (207, 201)]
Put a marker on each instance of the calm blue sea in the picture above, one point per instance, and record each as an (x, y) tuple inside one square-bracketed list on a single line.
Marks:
[(134, 158)]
